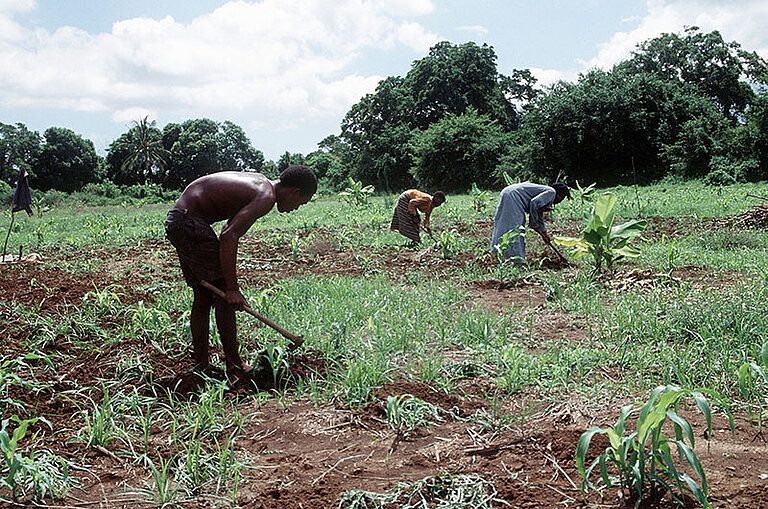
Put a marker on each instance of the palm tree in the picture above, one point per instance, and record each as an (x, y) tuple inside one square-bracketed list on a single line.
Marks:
[(146, 157)]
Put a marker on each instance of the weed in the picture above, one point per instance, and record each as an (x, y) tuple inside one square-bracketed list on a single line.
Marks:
[(148, 322), (36, 474), (406, 413), (100, 427), (10, 378), (106, 301), (444, 491), (753, 385), (164, 491)]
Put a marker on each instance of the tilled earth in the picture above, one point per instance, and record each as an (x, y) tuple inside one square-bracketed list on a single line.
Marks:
[(308, 454)]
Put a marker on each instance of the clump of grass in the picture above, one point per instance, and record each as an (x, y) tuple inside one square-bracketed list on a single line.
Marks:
[(444, 491), (406, 412)]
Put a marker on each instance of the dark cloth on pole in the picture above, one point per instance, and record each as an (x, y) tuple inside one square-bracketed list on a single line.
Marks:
[(403, 222), (197, 246), (22, 196)]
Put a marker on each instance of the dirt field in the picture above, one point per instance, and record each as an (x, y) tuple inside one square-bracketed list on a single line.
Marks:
[(309, 455)]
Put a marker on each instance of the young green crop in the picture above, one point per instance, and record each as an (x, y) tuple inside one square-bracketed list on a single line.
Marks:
[(643, 459), (356, 193), (601, 239), (31, 473), (480, 199), (753, 385)]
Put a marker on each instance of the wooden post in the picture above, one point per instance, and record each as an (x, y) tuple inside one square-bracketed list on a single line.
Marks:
[(8, 235)]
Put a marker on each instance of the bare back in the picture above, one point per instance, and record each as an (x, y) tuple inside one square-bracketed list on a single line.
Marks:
[(222, 195)]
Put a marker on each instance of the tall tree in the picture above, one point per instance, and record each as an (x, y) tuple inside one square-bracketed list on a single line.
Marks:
[(67, 161), (202, 146), (138, 156), (237, 153), (451, 79), (456, 151), (289, 159), (703, 60), (19, 148)]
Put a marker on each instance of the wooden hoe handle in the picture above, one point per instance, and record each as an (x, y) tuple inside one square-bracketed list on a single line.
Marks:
[(296, 340)]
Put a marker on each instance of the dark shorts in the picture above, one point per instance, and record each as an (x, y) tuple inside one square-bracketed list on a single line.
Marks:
[(197, 246)]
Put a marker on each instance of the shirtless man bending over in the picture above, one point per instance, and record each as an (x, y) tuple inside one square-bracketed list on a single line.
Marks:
[(239, 198)]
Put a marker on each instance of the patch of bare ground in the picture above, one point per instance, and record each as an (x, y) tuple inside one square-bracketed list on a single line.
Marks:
[(308, 456)]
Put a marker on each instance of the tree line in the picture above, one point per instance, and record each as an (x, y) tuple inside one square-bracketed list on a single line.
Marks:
[(687, 105)]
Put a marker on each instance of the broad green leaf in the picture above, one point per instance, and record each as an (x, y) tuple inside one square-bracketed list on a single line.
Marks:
[(569, 242), (745, 379), (614, 438), (628, 252), (604, 471), (625, 411), (583, 445), (703, 405), (684, 426), (592, 236), (658, 412), (764, 355), (629, 229), (696, 491), (604, 207), (693, 461)]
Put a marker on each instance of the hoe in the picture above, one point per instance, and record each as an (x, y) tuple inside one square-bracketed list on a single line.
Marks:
[(296, 341)]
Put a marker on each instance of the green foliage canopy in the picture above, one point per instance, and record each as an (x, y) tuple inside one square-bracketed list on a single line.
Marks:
[(67, 162)]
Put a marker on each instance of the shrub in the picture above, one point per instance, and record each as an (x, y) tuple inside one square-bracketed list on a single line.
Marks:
[(6, 194)]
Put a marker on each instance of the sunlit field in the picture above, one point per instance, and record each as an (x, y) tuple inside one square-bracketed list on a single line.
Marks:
[(426, 372)]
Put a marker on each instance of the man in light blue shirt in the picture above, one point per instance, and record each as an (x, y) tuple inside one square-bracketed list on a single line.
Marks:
[(515, 202)]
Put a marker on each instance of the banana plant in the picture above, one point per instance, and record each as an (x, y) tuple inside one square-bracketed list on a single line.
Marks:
[(356, 193), (601, 239)]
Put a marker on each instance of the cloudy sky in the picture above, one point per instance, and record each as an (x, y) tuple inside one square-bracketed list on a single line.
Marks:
[(288, 70)]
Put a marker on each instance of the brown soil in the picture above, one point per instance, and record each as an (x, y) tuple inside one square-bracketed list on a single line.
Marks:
[(309, 454)]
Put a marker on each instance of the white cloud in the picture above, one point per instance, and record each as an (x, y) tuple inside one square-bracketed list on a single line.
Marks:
[(129, 115), (547, 77), (478, 30), (16, 5), (405, 8), (10, 31), (743, 21), (416, 36), (290, 57)]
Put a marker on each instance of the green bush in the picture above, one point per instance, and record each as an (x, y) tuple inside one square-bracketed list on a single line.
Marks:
[(106, 192), (6, 194)]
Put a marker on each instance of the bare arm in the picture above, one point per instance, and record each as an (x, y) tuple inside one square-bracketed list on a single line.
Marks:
[(229, 239)]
